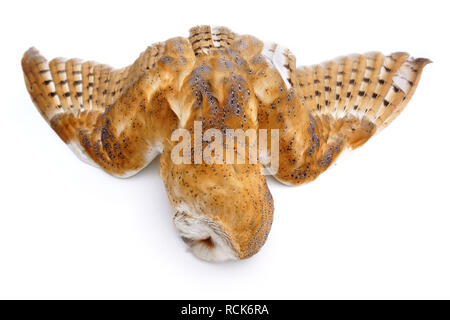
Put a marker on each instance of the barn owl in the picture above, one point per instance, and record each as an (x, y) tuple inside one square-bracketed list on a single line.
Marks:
[(120, 119)]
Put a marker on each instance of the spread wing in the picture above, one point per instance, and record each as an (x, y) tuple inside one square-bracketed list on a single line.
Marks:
[(347, 100), (116, 119)]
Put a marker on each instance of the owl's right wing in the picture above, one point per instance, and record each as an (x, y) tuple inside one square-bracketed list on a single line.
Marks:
[(117, 119)]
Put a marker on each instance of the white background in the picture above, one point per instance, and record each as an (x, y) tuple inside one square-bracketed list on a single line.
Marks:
[(376, 225)]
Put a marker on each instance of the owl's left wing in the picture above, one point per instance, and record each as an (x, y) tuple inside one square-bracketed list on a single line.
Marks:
[(342, 104)]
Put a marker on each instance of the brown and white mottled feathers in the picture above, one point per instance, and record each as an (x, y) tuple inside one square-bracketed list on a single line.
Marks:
[(77, 100), (207, 39), (120, 119), (349, 99)]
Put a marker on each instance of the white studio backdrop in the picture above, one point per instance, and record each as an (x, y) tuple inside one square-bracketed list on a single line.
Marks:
[(376, 225)]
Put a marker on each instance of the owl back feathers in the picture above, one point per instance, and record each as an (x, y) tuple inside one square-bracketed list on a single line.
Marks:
[(76, 99), (348, 99)]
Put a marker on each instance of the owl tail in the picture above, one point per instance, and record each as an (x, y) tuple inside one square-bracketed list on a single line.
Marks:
[(206, 39)]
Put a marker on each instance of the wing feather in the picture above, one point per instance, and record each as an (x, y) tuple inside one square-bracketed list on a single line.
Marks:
[(108, 116), (347, 101)]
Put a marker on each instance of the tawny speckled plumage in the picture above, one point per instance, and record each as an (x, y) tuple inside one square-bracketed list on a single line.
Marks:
[(120, 119)]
